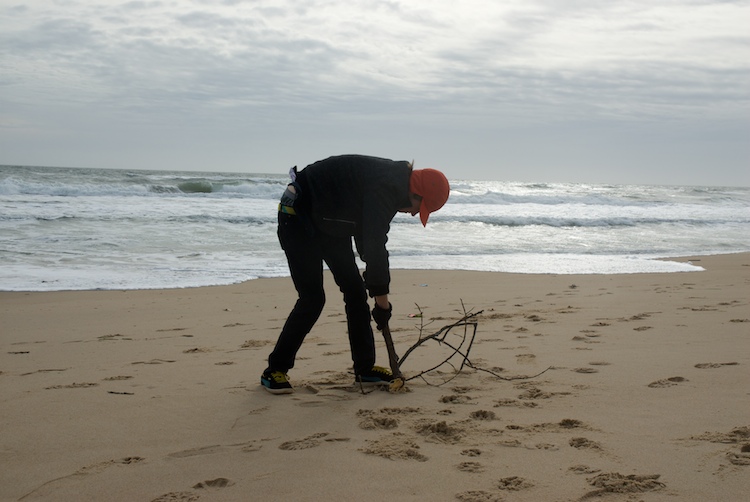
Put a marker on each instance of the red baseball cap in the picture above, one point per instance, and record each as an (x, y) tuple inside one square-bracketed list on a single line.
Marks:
[(433, 187)]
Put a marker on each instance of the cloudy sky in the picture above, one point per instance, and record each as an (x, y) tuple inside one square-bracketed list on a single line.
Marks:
[(631, 91)]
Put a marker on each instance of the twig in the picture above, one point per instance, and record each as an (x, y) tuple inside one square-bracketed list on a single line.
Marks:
[(467, 320), (509, 379)]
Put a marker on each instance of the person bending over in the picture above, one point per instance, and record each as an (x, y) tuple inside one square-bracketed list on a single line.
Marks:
[(325, 205)]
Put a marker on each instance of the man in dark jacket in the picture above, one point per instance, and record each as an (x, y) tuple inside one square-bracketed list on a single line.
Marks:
[(327, 204)]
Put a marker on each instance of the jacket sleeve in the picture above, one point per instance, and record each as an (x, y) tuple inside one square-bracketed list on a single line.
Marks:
[(371, 242)]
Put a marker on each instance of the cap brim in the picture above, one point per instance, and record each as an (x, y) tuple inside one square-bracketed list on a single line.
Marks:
[(424, 214)]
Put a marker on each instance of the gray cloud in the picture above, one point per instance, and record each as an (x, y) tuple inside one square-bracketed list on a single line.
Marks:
[(536, 85)]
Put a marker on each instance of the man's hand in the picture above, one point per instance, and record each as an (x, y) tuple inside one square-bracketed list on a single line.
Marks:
[(381, 316)]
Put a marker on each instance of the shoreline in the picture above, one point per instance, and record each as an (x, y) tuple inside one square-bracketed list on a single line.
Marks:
[(674, 259), (153, 394)]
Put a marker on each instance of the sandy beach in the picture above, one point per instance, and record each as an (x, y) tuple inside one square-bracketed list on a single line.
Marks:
[(578, 387)]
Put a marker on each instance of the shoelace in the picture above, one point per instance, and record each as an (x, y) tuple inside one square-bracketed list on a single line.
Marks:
[(279, 377)]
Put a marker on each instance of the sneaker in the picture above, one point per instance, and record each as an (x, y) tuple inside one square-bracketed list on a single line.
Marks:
[(276, 382), (376, 376)]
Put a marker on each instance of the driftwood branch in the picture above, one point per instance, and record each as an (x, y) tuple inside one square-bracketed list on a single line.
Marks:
[(461, 347)]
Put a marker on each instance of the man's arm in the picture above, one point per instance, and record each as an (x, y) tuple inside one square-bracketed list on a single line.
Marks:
[(382, 301)]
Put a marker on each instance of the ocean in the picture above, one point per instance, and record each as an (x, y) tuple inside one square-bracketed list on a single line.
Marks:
[(84, 229)]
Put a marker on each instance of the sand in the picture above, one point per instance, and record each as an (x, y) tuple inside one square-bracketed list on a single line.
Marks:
[(587, 387)]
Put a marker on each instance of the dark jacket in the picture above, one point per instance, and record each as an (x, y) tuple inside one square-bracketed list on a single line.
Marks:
[(356, 195)]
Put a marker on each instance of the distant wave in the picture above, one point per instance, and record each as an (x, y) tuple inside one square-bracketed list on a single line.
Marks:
[(143, 187), (197, 186), (600, 195), (578, 221), (500, 198), (12, 186)]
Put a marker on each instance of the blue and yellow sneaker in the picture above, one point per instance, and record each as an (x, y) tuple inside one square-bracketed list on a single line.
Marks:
[(375, 376), (276, 382)]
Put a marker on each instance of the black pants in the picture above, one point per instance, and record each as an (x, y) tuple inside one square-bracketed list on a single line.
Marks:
[(305, 255)]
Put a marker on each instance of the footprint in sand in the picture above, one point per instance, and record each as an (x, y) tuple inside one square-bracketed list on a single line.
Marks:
[(254, 344), (474, 467), (192, 452), (533, 393), (615, 482), (565, 424), (455, 399), (464, 389), (370, 423), (478, 496), (583, 469), (332, 379), (586, 339), (667, 382), (82, 385), (736, 435), (525, 358), (583, 443), (249, 446), (742, 457), (308, 442), (703, 366), (706, 308), (192, 496), (483, 415), (544, 446), (640, 317), (514, 402), (177, 497), (395, 447), (116, 336), (439, 432), (44, 371), (514, 483), (45, 490), (213, 483)]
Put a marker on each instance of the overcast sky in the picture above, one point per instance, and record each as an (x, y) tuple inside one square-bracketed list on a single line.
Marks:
[(632, 91)]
